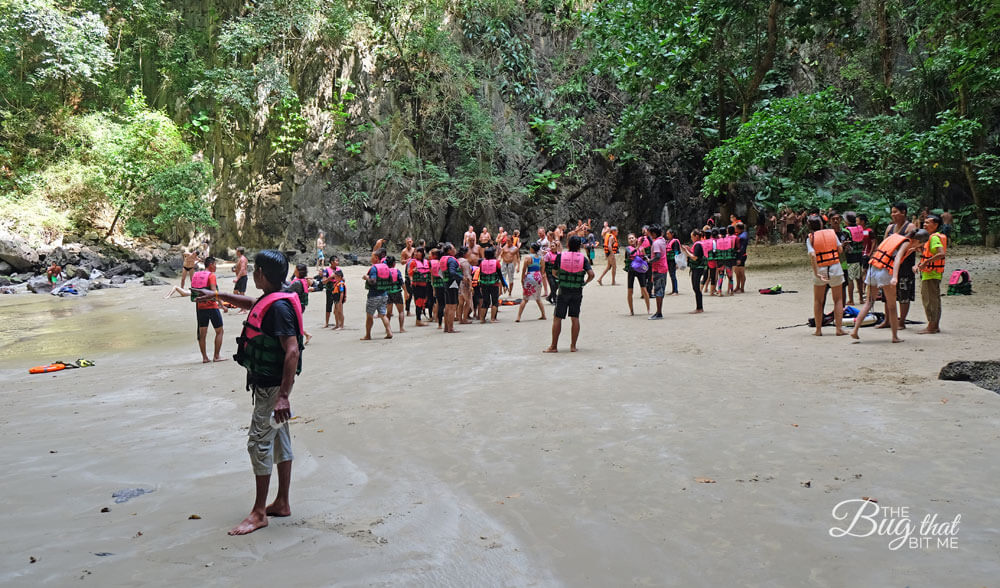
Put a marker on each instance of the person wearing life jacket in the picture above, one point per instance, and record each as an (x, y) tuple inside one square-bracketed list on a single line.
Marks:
[(825, 252), (716, 261), (883, 272), (420, 278), (854, 247), (631, 251), (203, 282), (726, 257), (531, 281), (378, 281), (697, 263), (395, 292), (551, 271), (300, 284), (438, 284), (906, 287), (610, 254), (515, 240), (659, 268), (270, 349), (742, 245), (328, 279), (491, 278), (931, 269), (673, 250), (452, 272), (574, 273)]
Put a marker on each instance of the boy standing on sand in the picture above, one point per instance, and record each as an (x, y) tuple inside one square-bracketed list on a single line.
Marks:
[(270, 349), (240, 269), (931, 269)]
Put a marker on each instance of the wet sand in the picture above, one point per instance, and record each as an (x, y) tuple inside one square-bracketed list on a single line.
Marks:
[(475, 460)]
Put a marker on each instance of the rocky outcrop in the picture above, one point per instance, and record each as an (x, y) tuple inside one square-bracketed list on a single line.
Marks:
[(985, 374), (16, 253)]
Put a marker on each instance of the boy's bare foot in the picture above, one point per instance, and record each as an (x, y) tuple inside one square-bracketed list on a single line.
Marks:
[(550, 350), (402, 330), (420, 324), (697, 311), (206, 360), (897, 340), (841, 333), (250, 524), (276, 509), (308, 339), (572, 349), (517, 320), (388, 337), (217, 359), (366, 338), (928, 331), (883, 325), (818, 333), (542, 318)]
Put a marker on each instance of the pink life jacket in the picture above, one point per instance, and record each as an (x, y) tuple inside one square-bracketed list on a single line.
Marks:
[(252, 326), (306, 284), (443, 269), (382, 271), (200, 279), (857, 233), (488, 266), (435, 268), (725, 243), (571, 262)]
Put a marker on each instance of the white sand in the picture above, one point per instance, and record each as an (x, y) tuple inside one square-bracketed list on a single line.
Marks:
[(475, 460)]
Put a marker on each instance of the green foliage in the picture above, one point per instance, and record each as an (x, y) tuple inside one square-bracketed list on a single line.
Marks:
[(47, 47), (181, 190), (291, 132)]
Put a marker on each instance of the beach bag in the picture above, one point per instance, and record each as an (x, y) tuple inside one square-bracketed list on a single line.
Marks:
[(959, 283), (639, 265), (681, 261)]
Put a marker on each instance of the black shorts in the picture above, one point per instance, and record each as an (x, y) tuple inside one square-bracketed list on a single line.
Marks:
[(632, 277), (450, 295), (395, 297), (209, 315), (331, 299), (906, 288), (569, 301), (741, 261), (491, 295), (241, 284)]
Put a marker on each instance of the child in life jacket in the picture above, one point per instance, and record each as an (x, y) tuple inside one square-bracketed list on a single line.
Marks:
[(301, 284)]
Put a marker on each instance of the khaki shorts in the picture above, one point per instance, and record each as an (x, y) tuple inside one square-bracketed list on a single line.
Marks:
[(834, 274), (854, 271), (267, 445)]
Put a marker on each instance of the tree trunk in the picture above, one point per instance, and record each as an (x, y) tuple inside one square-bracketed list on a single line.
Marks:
[(766, 62), (115, 221), (885, 46), (970, 178)]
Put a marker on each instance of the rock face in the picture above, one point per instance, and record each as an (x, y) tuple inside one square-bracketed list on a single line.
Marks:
[(985, 374), (15, 252), (40, 285)]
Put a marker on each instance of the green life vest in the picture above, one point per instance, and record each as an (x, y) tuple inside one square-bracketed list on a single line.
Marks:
[(262, 354), (571, 270)]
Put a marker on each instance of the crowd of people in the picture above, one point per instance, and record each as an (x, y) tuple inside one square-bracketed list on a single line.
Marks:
[(457, 285), (791, 226)]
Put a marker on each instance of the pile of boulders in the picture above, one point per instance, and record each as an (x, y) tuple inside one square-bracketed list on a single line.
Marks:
[(88, 264)]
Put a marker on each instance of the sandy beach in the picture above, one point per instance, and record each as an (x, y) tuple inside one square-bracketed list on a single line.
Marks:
[(702, 450)]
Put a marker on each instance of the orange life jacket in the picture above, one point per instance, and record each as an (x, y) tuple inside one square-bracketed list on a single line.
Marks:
[(884, 256), (938, 264), (824, 243)]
